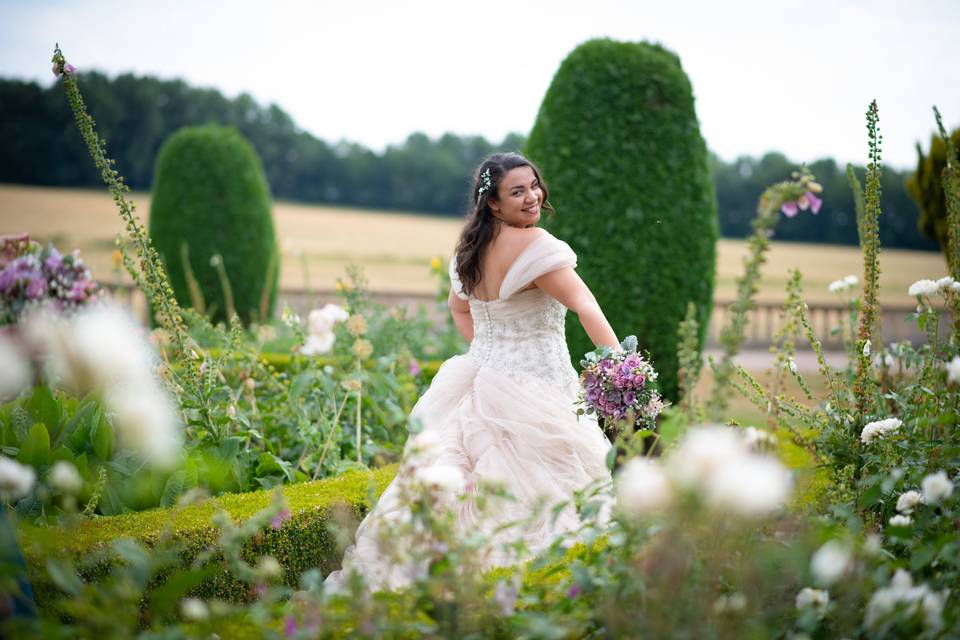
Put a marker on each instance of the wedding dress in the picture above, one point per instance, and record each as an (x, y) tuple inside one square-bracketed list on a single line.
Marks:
[(502, 411)]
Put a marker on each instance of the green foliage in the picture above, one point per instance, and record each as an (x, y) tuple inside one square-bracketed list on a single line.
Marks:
[(620, 147), (210, 193), (925, 187), (303, 542)]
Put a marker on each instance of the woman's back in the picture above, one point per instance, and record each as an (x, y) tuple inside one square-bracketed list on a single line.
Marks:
[(498, 257)]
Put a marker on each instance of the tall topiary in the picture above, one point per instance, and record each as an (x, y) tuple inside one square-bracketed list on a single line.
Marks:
[(925, 187), (619, 143), (210, 198)]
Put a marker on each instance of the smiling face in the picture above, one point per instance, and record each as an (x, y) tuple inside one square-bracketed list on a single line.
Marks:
[(519, 198)]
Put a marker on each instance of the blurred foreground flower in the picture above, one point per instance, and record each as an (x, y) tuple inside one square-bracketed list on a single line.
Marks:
[(16, 480), (902, 594), (65, 477), (101, 349), (830, 562)]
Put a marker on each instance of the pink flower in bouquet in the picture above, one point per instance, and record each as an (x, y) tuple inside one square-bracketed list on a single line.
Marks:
[(619, 380), (628, 397), (632, 361), (638, 380), (53, 261), (606, 365)]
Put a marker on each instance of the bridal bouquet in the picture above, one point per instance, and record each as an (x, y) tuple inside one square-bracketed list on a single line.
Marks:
[(617, 384)]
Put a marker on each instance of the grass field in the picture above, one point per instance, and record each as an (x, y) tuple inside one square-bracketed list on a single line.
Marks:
[(395, 249)]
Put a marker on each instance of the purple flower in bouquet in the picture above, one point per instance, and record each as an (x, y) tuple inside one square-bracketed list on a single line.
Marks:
[(632, 361), (53, 261), (638, 380), (36, 287), (619, 380), (629, 397), (590, 381), (606, 365)]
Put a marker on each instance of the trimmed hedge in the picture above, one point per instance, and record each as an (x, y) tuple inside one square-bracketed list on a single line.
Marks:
[(619, 144), (209, 191), (302, 543)]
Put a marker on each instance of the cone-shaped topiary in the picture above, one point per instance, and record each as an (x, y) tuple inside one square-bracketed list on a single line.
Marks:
[(925, 186), (210, 197), (619, 144)]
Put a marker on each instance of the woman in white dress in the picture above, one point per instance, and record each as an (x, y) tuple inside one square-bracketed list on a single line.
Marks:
[(503, 411)]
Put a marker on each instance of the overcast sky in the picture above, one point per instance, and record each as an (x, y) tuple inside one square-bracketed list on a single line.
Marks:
[(767, 75)]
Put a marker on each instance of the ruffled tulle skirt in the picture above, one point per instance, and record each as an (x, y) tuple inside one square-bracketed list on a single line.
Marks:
[(514, 430)]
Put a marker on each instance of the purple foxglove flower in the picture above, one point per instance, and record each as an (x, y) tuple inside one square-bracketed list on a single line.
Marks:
[(789, 208), (69, 68), (36, 287), (815, 202)]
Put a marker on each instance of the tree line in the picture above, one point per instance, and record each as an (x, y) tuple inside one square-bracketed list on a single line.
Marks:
[(40, 145)]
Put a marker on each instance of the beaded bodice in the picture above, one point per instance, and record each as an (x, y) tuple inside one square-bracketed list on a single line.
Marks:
[(521, 333)]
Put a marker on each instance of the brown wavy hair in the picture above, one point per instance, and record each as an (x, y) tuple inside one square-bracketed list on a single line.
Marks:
[(478, 229)]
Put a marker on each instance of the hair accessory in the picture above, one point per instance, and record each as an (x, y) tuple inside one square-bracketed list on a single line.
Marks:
[(486, 183)]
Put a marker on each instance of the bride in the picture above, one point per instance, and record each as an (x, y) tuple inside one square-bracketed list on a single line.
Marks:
[(503, 411)]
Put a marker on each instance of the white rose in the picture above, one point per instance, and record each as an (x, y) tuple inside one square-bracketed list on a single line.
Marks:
[(702, 451), (830, 562), (936, 487), (642, 488), (953, 370), (923, 288), (16, 480), (752, 485), (64, 476), (908, 500), (15, 374), (817, 598), (900, 521), (878, 428), (945, 283)]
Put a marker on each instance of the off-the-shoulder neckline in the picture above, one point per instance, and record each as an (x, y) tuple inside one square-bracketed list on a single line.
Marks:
[(506, 276)]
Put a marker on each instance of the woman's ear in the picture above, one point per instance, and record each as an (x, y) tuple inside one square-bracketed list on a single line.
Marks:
[(494, 205)]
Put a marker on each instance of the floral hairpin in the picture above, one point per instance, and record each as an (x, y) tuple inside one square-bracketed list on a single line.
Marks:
[(485, 179)]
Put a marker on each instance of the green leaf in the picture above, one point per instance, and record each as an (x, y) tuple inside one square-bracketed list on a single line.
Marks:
[(81, 417), (101, 438), (173, 489), (869, 497), (43, 406), (35, 450), (165, 597)]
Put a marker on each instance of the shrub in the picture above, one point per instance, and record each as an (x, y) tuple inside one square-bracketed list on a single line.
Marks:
[(210, 198), (925, 186), (301, 543), (618, 141)]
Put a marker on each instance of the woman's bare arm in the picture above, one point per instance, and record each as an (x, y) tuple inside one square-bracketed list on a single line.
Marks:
[(460, 310), (572, 292)]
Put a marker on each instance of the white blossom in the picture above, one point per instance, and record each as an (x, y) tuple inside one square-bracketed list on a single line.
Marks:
[(505, 595), (194, 609), (830, 562), (15, 372), (732, 603), (843, 285), (908, 500), (65, 477), (146, 421), (866, 348), (953, 370), (16, 480), (704, 450), (901, 591), (793, 366), (900, 520), (320, 323), (269, 567), (819, 599), (883, 359), (878, 428), (752, 485), (873, 544), (923, 288), (936, 487), (317, 344), (945, 283), (642, 488)]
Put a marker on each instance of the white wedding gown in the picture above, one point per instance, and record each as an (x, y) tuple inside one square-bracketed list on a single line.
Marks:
[(504, 411)]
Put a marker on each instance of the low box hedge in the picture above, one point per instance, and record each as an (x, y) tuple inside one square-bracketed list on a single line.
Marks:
[(302, 543)]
